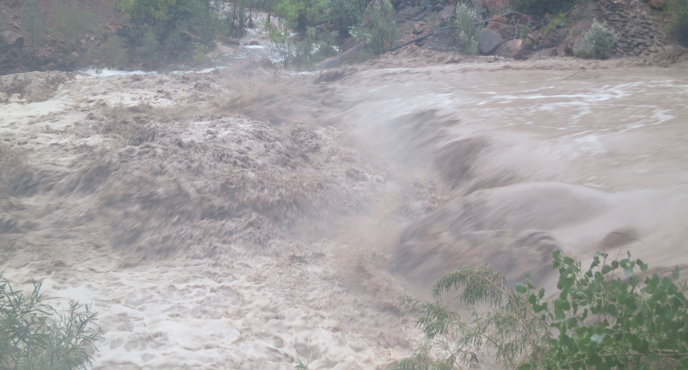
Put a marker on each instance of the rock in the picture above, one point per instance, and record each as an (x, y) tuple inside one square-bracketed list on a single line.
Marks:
[(568, 51), (253, 43), (507, 32), (34, 86), (339, 60), (447, 12), (418, 28), (3, 97), (488, 41), (251, 64), (230, 41), (656, 4), (410, 12), (534, 37), (16, 98), (498, 18), (510, 49), (11, 40)]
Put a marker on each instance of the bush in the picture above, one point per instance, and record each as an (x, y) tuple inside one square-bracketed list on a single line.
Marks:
[(33, 22), (168, 27), (597, 321), (678, 20), (115, 52), (71, 22), (377, 29), (31, 338), (347, 13), (304, 54), (540, 7), (467, 29), (302, 13), (598, 42)]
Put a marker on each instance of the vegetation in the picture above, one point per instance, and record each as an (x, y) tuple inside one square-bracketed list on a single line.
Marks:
[(71, 22), (540, 7), (560, 20), (598, 42), (33, 22), (377, 29), (468, 29), (33, 336), (605, 317), (302, 14), (168, 27), (305, 53), (678, 20), (347, 13)]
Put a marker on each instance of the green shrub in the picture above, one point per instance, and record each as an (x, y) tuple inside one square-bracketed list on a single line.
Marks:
[(33, 22), (598, 42), (678, 20), (305, 53), (71, 22), (301, 14), (114, 52), (378, 29), (540, 7), (467, 29), (168, 27), (33, 336), (347, 13), (560, 20), (603, 318)]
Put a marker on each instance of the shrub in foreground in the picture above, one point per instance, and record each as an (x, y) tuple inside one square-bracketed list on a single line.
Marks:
[(467, 29), (33, 336), (378, 29), (612, 315)]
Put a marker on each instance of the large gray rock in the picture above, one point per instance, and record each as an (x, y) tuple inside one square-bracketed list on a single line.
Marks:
[(339, 60), (507, 31), (11, 39), (33, 86), (488, 41), (510, 49)]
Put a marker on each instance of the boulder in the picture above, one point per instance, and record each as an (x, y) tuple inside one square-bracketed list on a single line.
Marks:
[(254, 43), (11, 40), (510, 49), (447, 12), (488, 41), (507, 31), (339, 60), (251, 64), (33, 86), (656, 4)]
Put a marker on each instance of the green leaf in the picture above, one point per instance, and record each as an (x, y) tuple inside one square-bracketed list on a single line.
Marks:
[(674, 273), (628, 271), (597, 338), (520, 288), (525, 367)]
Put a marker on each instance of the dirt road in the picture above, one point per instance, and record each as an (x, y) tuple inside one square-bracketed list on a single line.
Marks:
[(247, 219)]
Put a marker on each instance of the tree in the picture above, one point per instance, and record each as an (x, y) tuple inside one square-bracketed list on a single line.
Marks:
[(33, 22), (302, 13)]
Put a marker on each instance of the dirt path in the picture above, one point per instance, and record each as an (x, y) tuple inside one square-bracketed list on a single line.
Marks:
[(248, 219)]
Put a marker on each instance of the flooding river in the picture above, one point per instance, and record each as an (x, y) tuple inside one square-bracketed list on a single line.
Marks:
[(246, 222)]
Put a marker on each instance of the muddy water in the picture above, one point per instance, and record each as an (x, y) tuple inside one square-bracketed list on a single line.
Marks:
[(219, 221), (582, 160)]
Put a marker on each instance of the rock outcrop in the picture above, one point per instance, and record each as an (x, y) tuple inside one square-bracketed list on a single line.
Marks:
[(33, 86), (639, 32)]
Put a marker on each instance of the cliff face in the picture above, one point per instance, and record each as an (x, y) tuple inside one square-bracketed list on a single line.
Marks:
[(639, 24)]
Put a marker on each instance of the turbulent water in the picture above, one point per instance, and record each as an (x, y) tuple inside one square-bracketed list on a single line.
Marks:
[(246, 219)]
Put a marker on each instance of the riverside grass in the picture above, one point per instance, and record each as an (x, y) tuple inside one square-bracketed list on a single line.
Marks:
[(34, 336), (614, 315)]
